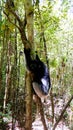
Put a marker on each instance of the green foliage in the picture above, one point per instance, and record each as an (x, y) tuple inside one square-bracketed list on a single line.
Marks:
[(54, 63), (56, 22), (7, 115)]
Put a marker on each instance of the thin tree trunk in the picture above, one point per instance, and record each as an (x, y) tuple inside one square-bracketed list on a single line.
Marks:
[(29, 19), (14, 110), (45, 50), (40, 109), (8, 70), (28, 120), (62, 113)]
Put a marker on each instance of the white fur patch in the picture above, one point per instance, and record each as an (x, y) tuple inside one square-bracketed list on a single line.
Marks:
[(44, 82)]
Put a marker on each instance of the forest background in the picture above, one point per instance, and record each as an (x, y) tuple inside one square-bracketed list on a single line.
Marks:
[(49, 29)]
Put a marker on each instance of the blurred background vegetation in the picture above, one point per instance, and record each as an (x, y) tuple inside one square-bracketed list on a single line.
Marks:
[(53, 18)]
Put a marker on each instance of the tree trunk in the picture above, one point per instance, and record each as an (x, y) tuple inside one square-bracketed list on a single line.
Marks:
[(15, 85), (29, 19), (40, 109), (28, 120), (8, 69), (27, 42)]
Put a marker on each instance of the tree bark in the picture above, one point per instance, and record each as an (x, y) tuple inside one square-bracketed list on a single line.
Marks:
[(8, 69), (40, 109), (28, 117), (29, 20)]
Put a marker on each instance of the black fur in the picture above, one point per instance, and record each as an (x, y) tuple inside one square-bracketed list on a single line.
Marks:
[(39, 69)]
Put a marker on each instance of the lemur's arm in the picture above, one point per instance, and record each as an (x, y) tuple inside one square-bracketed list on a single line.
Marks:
[(37, 57), (32, 65), (28, 57), (36, 66)]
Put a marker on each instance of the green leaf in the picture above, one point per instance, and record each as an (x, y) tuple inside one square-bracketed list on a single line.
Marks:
[(54, 63)]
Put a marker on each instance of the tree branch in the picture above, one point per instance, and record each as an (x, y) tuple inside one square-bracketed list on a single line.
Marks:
[(62, 113), (10, 20), (22, 24), (11, 9)]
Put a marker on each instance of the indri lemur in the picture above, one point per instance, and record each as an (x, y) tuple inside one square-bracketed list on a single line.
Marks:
[(41, 81)]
